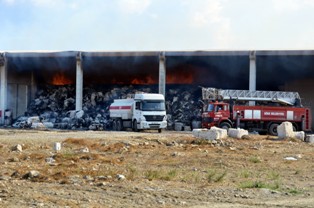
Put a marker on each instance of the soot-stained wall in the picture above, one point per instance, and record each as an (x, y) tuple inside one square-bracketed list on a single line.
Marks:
[(214, 71), (120, 69)]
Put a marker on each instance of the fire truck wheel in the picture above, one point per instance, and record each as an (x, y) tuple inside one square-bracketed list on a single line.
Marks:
[(135, 126), (272, 130), (225, 125)]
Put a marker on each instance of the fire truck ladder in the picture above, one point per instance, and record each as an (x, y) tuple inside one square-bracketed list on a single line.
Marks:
[(288, 98)]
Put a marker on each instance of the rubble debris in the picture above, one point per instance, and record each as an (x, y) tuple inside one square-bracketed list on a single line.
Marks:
[(291, 158), (4, 178), (14, 159), (84, 150), (57, 146), (120, 177), (88, 178), (31, 174), (53, 106), (50, 160), (17, 148), (237, 133)]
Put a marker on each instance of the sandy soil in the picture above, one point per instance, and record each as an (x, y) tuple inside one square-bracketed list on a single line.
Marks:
[(148, 169)]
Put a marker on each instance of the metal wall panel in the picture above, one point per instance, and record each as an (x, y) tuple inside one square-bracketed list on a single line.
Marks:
[(17, 99)]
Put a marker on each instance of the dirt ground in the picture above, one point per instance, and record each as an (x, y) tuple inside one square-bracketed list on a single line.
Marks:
[(148, 169)]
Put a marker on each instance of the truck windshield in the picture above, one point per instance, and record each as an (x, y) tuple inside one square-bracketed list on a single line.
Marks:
[(153, 105), (210, 107)]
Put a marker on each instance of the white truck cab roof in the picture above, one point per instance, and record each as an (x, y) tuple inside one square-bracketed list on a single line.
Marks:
[(149, 96)]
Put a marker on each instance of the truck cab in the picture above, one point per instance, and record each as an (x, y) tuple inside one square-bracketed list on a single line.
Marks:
[(216, 114), (144, 111), (149, 112)]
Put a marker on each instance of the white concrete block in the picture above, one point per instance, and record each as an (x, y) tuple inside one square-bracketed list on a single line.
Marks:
[(203, 134), (195, 132), (310, 138), (215, 133), (237, 133), (212, 134), (299, 135), (222, 132), (285, 130)]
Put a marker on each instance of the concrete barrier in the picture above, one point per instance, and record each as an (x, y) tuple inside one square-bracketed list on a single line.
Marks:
[(237, 133), (212, 134), (299, 135), (196, 132), (222, 133), (310, 138), (285, 130)]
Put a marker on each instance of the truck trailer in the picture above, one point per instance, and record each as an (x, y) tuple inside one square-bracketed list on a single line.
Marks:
[(260, 111), (144, 111)]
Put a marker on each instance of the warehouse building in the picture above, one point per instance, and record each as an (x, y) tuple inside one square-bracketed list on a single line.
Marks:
[(21, 73)]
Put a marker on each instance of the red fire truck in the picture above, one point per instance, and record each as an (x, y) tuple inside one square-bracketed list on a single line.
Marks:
[(254, 110)]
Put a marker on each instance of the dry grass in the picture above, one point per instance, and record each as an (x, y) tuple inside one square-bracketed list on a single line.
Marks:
[(182, 159)]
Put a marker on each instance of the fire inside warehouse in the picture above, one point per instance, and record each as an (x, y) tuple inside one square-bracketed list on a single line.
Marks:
[(73, 90)]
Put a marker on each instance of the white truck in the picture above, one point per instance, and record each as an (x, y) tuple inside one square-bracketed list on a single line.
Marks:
[(144, 111)]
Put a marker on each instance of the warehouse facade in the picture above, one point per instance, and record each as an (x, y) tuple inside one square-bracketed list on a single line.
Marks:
[(22, 72)]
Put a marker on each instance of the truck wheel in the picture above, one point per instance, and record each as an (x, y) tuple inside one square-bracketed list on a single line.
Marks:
[(272, 130), (135, 126), (114, 125), (159, 130), (225, 125), (119, 125)]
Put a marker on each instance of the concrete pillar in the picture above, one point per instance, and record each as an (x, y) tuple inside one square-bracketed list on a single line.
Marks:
[(3, 86), (33, 86), (79, 83), (252, 81), (162, 73)]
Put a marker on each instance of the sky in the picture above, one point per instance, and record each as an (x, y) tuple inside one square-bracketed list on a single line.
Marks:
[(156, 25)]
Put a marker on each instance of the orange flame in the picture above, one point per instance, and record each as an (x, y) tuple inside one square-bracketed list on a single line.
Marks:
[(146, 80), (60, 79)]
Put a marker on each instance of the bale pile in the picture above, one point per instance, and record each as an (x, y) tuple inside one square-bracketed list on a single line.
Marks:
[(54, 105)]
